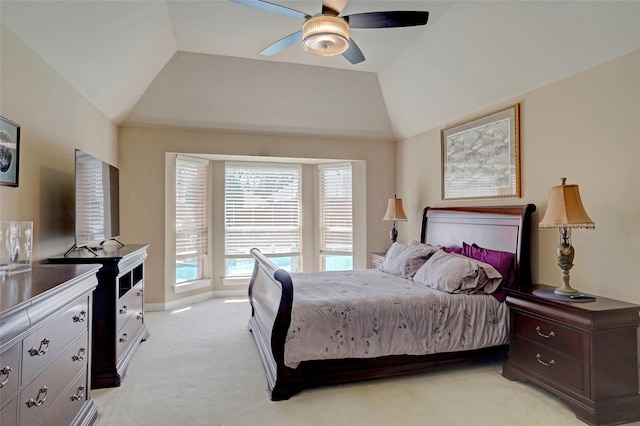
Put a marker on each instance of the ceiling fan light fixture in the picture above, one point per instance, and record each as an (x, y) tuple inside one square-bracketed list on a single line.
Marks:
[(325, 35)]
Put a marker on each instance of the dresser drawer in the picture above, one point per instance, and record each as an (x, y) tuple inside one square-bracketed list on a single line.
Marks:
[(551, 363), (40, 395), (127, 333), (568, 341), (41, 347), (67, 407), (9, 372), (9, 413), (129, 304)]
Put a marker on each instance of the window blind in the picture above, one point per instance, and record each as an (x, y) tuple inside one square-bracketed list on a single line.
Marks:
[(262, 209), (336, 211), (191, 207)]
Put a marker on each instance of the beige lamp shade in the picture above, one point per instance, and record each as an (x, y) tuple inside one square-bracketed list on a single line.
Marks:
[(565, 209), (395, 211)]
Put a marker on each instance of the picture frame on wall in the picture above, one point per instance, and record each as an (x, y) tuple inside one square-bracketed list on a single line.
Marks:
[(481, 157), (9, 152)]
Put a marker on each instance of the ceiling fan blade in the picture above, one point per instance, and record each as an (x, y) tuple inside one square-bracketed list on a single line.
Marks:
[(273, 8), (282, 44), (402, 18), (333, 7), (353, 53)]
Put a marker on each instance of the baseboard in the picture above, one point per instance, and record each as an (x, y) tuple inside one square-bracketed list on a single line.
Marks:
[(179, 303)]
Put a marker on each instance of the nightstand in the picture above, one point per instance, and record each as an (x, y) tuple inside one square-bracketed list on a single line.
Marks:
[(585, 353), (376, 259)]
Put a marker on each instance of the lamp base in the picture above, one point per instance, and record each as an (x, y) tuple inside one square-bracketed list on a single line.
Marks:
[(565, 253), (393, 235), (566, 291)]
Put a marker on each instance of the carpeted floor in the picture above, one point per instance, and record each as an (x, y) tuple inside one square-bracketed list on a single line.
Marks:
[(201, 367)]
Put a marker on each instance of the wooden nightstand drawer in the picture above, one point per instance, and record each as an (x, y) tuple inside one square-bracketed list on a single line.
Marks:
[(550, 334), (553, 364)]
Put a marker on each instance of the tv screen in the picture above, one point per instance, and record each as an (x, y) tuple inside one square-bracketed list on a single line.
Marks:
[(97, 209)]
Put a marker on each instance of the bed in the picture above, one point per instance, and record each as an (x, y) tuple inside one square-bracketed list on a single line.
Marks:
[(276, 316)]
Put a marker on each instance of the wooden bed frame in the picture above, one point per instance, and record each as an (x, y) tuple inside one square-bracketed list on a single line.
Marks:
[(506, 228)]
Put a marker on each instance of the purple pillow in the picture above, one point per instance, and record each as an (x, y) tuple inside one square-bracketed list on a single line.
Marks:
[(503, 261)]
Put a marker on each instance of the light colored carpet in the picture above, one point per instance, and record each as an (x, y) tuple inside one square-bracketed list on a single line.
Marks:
[(201, 367)]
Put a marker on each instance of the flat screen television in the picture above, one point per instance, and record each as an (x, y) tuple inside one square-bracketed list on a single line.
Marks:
[(97, 202)]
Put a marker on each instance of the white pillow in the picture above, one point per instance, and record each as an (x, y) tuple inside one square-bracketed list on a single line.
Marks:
[(454, 273), (404, 260)]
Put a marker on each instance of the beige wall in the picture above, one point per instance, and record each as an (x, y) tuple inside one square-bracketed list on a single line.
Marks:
[(142, 180), (586, 128), (55, 119)]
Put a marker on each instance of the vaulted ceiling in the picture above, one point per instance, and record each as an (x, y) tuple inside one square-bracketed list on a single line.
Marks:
[(196, 64)]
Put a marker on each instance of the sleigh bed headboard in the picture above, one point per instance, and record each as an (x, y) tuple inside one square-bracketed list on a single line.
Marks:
[(504, 228)]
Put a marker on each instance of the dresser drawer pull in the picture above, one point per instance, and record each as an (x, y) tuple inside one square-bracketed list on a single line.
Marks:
[(81, 317), (124, 338), (546, 364), (139, 293), (546, 336), (38, 402), (80, 355), (79, 395), (140, 316), (44, 346), (5, 372), (123, 310)]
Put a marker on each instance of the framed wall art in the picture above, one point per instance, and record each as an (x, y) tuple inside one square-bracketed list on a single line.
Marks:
[(481, 157), (9, 152)]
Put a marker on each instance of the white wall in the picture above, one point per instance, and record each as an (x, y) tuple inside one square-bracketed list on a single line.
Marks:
[(54, 120)]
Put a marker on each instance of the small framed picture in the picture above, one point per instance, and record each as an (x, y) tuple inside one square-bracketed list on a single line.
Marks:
[(9, 152)]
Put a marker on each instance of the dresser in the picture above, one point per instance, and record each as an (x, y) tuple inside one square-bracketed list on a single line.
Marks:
[(45, 332), (118, 309), (585, 353)]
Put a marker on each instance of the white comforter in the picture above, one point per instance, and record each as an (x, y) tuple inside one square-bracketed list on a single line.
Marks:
[(369, 313)]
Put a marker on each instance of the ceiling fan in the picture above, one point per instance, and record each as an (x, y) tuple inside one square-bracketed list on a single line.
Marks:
[(327, 33)]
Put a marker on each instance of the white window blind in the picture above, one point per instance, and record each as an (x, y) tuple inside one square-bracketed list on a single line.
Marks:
[(262, 209), (191, 207), (336, 208)]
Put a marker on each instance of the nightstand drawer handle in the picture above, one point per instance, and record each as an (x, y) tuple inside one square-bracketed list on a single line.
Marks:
[(546, 364), (546, 336)]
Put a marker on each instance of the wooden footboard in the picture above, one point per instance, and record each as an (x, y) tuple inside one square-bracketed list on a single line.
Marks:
[(271, 298)]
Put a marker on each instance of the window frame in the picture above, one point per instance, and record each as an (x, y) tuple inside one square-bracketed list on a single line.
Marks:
[(186, 248), (329, 221)]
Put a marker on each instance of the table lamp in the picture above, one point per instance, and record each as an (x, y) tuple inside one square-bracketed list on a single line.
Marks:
[(565, 212), (395, 213)]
